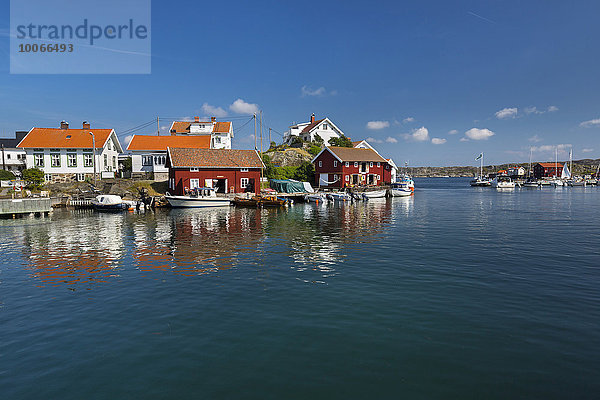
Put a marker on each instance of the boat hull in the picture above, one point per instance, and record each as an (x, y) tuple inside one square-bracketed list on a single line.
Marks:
[(378, 194), (196, 202), (397, 192)]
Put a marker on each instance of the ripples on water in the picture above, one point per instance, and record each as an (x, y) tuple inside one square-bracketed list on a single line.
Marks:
[(457, 292)]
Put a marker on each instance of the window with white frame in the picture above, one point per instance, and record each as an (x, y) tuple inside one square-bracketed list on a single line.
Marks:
[(38, 160), (146, 161), (106, 166), (160, 160), (324, 127), (217, 139), (55, 160), (347, 164), (320, 163), (115, 162), (378, 177), (194, 183), (71, 160), (88, 161), (243, 169), (379, 164), (244, 183), (347, 178), (335, 177), (80, 177), (194, 169), (334, 163), (48, 177), (356, 163), (108, 145), (370, 164)]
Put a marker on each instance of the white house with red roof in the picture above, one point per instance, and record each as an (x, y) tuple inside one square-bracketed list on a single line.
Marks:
[(308, 131), (149, 152), (66, 154)]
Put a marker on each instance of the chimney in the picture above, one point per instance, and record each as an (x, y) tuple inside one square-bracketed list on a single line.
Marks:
[(213, 119), (64, 125), (196, 119), (312, 118), (86, 125)]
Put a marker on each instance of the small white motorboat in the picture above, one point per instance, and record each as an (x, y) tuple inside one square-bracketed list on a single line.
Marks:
[(531, 183), (374, 194), (315, 198), (197, 198), (338, 196), (503, 182), (403, 188), (110, 202)]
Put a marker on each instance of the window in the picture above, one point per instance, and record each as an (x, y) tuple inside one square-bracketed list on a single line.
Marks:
[(8, 156), (160, 160), (243, 169), (324, 127), (347, 178), (387, 166), (378, 177), (71, 160), (370, 164), (347, 164), (356, 163), (114, 162), (379, 164), (244, 183), (334, 163), (146, 160), (106, 166), (38, 160), (320, 163), (108, 145), (217, 139), (194, 170), (194, 183), (88, 161), (55, 160), (81, 177), (335, 177), (48, 177)]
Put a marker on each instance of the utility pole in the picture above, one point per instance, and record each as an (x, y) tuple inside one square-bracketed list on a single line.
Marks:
[(269, 137), (3, 162), (261, 148), (94, 155), (157, 126), (255, 148)]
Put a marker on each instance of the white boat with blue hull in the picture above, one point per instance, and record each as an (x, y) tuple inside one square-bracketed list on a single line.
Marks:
[(198, 198), (110, 202), (403, 188)]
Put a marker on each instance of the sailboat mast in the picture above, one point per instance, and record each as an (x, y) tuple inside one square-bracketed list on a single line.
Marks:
[(481, 167)]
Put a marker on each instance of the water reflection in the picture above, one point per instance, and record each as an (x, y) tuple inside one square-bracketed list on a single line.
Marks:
[(77, 248)]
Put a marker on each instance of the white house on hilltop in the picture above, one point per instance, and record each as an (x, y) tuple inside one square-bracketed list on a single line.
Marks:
[(309, 130), (220, 132)]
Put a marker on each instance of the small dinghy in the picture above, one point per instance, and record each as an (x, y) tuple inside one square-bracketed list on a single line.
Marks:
[(110, 202), (375, 194)]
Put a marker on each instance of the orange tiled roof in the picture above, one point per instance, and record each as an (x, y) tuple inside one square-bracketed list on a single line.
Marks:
[(214, 158), (158, 143), (181, 126), (56, 138), (222, 127)]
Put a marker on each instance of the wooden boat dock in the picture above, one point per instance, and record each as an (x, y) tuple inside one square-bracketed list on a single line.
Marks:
[(16, 207)]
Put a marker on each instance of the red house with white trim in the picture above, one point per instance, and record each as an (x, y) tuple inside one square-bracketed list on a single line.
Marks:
[(226, 170), (337, 167)]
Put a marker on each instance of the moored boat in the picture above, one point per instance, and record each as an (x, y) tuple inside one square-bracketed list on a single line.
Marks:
[(503, 182), (110, 202), (374, 194), (260, 200), (481, 181), (338, 196), (198, 198), (315, 198)]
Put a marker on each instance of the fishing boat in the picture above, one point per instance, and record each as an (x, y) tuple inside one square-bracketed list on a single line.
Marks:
[(110, 202), (480, 181), (374, 194), (503, 182), (197, 198), (402, 188)]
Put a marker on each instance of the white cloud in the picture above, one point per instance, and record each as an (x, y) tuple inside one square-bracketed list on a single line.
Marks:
[(438, 141), (308, 91), (375, 125), (562, 148), (373, 140), (213, 111), (464, 139), (590, 123), (533, 110), (408, 120), (552, 109), (241, 107), (587, 150), (507, 113), (535, 139), (479, 134), (186, 119), (418, 135), (452, 132), (390, 139)]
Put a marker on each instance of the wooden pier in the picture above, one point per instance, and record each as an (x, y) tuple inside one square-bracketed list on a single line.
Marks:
[(15, 207)]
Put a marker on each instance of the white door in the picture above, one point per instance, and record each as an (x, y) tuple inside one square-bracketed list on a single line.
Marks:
[(194, 183), (324, 179)]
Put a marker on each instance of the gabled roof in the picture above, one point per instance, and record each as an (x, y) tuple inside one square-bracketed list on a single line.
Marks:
[(10, 143), (360, 142), (57, 138), (161, 143), (311, 126), (550, 165), (184, 126), (213, 158), (352, 154)]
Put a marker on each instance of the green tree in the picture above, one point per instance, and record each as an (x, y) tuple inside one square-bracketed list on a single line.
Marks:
[(272, 146), (34, 178), (297, 142), (318, 139), (6, 175), (314, 150), (305, 172), (342, 141)]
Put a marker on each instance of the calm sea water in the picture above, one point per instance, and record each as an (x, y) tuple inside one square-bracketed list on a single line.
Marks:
[(454, 293)]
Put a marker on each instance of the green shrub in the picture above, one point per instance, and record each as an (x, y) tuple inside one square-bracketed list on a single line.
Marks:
[(6, 175), (34, 178), (314, 150), (340, 142)]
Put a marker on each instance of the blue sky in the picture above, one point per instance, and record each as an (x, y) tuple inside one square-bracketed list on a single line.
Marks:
[(505, 76)]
